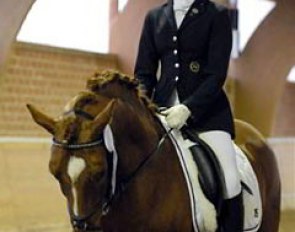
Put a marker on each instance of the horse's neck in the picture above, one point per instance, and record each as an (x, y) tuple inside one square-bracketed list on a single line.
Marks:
[(117, 91), (159, 181), (134, 134), (130, 97)]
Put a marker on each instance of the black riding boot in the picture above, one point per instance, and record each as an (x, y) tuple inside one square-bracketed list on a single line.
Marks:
[(233, 214)]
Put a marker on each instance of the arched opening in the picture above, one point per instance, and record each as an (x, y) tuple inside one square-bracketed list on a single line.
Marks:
[(70, 24)]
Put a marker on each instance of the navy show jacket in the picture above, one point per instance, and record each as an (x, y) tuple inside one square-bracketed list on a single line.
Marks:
[(193, 58)]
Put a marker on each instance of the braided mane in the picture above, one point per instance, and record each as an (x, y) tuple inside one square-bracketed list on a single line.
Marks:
[(101, 80)]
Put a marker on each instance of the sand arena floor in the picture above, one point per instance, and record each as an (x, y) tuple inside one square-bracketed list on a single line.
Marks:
[(287, 225)]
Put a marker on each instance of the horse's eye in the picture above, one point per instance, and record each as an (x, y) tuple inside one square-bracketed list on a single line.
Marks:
[(54, 169), (54, 172), (57, 175)]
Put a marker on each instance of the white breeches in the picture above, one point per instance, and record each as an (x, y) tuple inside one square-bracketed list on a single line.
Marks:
[(222, 145)]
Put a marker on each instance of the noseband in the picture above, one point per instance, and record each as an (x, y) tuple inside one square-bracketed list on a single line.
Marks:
[(65, 145)]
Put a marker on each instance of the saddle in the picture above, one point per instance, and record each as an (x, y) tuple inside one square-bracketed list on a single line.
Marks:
[(201, 166), (211, 176)]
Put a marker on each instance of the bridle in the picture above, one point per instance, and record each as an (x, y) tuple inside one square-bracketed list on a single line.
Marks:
[(81, 222), (65, 145), (76, 221)]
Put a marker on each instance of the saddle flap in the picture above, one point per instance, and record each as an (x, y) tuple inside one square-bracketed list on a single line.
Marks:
[(210, 172)]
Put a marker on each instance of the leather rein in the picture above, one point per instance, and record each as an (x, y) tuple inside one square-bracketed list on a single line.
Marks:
[(81, 222)]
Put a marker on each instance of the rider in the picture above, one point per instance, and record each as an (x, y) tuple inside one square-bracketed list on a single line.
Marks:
[(192, 40)]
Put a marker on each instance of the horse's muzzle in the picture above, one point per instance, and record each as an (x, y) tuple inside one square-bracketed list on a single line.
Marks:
[(84, 226)]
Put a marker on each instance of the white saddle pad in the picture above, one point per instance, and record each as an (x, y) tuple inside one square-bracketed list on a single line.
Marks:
[(203, 211), (252, 202)]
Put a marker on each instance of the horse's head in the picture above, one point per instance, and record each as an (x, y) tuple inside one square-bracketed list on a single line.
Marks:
[(78, 156), (79, 159)]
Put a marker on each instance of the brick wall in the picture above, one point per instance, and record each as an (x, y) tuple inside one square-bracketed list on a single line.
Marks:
[(45, 76)]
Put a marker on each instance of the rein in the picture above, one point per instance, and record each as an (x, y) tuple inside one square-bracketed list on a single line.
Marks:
[(81, 222), (123, 183)]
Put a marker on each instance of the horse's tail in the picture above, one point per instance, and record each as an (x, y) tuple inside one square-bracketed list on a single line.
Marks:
[(264, 163)]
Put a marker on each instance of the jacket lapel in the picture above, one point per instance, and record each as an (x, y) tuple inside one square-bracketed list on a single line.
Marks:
[(170, 14), (196, 9)]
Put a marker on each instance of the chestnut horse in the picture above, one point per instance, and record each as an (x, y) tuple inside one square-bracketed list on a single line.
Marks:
[(150, 193)]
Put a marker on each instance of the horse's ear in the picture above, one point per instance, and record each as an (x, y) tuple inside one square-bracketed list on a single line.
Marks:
[(104, 116), (42, 119)]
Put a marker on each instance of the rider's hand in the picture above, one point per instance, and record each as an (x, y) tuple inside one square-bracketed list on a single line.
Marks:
[(176, 116)]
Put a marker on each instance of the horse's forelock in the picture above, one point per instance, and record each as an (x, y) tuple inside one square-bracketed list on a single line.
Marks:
[(85, 98), (81, 100)]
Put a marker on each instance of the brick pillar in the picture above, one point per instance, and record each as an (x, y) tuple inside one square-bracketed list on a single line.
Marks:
[(114, 5)]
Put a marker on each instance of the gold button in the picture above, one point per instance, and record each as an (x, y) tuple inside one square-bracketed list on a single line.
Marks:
[(194, 66)]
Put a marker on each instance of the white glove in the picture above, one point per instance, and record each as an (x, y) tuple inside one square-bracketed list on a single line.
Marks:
[(176, 116)]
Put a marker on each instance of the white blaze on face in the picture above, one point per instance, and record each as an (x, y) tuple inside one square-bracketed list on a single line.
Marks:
[(75, 168)]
